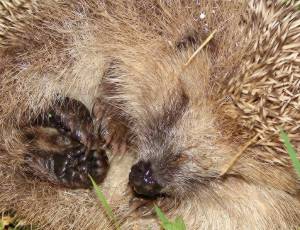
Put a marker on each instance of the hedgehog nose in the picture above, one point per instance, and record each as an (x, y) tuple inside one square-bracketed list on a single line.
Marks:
[(142, 181)]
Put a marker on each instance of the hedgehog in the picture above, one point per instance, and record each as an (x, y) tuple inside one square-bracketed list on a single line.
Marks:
[(170, 103)]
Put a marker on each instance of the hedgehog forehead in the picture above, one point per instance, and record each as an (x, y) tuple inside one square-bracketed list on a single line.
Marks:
[(162, 122), (159, 130)]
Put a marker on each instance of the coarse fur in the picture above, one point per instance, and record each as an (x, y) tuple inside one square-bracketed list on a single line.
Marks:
[(187, 122)]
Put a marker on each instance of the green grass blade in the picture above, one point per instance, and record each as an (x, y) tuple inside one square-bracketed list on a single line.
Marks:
[(1, 225), (161, 215), (165, 223), (104, 203), (292, 153), (178, 224)]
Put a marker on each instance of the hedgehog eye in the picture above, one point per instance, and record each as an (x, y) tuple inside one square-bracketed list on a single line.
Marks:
[(188, 40)]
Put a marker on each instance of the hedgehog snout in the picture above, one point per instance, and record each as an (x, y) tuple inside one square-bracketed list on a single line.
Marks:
[(142, 180)]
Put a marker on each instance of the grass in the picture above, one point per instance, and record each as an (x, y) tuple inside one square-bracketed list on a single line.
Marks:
[(104, 202), (177, 224), (8, 223), (291, 151)]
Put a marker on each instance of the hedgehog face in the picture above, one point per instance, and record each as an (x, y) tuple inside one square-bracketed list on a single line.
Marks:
[(176, 149)]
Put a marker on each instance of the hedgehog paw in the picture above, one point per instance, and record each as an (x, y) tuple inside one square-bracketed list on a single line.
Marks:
[(74, 168), (70, 117)]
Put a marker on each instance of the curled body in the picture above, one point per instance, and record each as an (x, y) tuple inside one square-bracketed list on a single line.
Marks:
[(123, 64)]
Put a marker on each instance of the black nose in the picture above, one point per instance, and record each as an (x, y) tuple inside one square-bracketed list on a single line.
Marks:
[(142, 181)]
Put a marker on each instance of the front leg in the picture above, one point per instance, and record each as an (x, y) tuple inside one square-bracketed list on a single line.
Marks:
[(72, 118), (62, 148)]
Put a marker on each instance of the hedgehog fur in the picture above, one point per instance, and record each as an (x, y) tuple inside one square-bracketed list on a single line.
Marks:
[(188, 121)]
